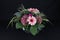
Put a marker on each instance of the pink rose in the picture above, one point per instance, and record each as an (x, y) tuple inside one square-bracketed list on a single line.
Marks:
[(24, 19), (34, 10), (39, 19)]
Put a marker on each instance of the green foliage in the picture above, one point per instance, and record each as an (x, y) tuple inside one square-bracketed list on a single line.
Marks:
[(41, 14), (11, 21), (40, 26), (45, 20), (33, 30), (17, 14), (25, 11), (16, 20), (19, 25), (22, 7)]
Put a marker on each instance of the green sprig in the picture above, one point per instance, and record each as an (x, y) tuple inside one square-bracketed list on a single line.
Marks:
[(11, 21)]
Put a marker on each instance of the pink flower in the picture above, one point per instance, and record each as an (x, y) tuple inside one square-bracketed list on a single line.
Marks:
[(31, 20), (34, 10), (39, 19), (24, 19)]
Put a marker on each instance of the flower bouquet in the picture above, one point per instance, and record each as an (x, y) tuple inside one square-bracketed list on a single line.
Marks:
[(30, 20)]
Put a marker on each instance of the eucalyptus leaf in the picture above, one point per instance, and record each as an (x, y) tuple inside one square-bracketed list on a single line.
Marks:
[(18, 25), (41, 26), (33, 30), (17, 14)]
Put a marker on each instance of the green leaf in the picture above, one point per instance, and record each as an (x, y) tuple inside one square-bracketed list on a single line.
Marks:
[(41, 26), (45, 20), (22, 6), (41, 14), (16, 20), (33, 30), (11, 21), (25, 11), (18, 25), (17, 14)]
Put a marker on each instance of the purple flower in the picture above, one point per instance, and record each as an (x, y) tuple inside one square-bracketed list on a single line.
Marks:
[(30, 14)]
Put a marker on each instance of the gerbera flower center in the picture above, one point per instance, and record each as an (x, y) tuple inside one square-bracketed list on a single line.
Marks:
[(31, 20)]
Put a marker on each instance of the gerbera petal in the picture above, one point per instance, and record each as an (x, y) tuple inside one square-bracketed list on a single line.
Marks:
[(33, 22)]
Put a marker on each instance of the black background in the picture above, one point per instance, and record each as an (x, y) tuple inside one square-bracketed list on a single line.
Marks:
[(50, 9)]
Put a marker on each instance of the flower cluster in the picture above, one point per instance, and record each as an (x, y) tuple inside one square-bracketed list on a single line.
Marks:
[(30, 20)]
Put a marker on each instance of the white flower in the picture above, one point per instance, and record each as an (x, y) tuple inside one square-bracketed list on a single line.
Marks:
[(34, 10), (31, 20)]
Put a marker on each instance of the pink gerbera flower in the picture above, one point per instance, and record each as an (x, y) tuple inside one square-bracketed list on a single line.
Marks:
[(31, 20)]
